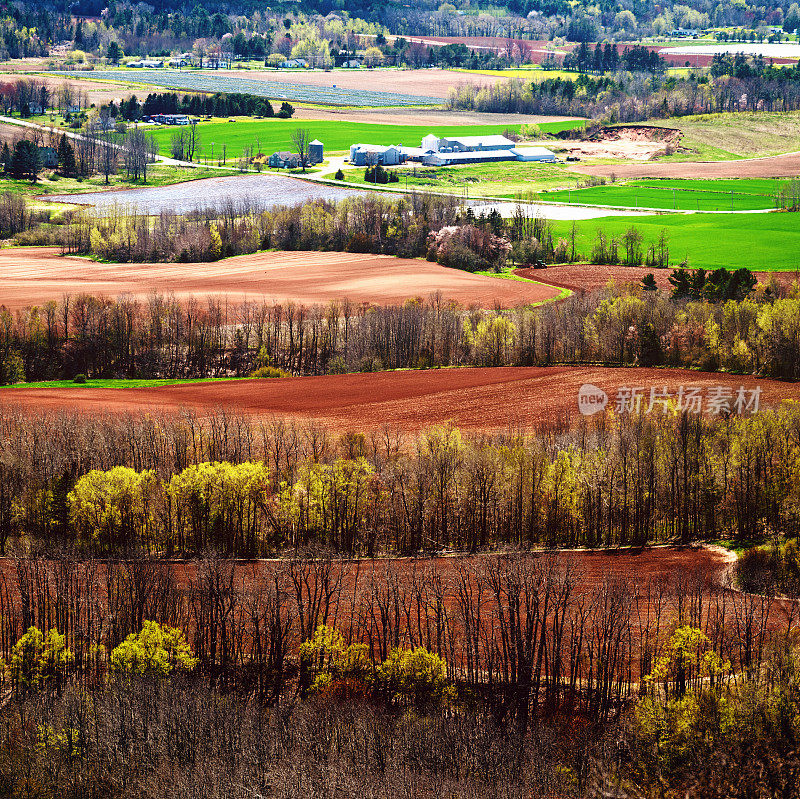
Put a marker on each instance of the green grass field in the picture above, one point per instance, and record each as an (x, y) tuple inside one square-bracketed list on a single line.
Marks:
[(118, 383), (268, 135), (761, 242), (503, 179), (685, 195)]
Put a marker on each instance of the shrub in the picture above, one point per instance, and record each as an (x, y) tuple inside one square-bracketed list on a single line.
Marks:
[(416, 677), (457, 256), (337, 365), (469, 247), (113, 507), (324, 658), (12, 369), (39, 660), (154, 651), (269, 372), (339, 175), (527, 252), (81, 378)]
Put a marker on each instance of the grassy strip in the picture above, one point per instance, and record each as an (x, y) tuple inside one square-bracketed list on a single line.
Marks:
[(157, 175), (508, 274), (123, 383)]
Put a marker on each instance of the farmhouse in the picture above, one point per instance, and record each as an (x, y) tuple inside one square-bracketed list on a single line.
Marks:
[(284, 160)]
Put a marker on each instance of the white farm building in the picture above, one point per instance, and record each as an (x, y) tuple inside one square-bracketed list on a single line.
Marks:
[(449, 151)]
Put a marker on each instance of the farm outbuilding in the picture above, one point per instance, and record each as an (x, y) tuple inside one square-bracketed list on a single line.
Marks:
[(316, 152), (371, 154), (466, 144), (48, 157), (534, 154), (454, 159), (488, 156)]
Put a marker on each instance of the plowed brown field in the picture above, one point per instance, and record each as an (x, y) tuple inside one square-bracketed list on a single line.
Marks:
[(480, 399), (777, 166), (33, 275), (588, 277)]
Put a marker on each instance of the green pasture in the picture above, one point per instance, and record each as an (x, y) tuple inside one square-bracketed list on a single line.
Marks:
[(508, 179), (119, 383), (268, 135), (683, 195), (761, 242)]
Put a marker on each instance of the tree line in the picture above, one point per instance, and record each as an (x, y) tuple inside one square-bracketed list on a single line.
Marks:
[(218, 104), (186, 485), (635, 97), (607, 58), (160, 337)]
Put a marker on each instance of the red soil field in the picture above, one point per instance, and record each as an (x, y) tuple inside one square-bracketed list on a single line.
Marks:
[(589, 277), (653, 580), (33, 275), (593, 566), (474, 399), (777, 166)]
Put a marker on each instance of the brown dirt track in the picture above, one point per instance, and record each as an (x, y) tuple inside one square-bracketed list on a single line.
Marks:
[(33, 275), (474, 399), (777, 166)]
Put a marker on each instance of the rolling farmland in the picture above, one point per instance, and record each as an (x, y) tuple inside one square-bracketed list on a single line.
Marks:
[(35, 275), (475, 399), (196, 81), (267, 135), (683, 195)]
